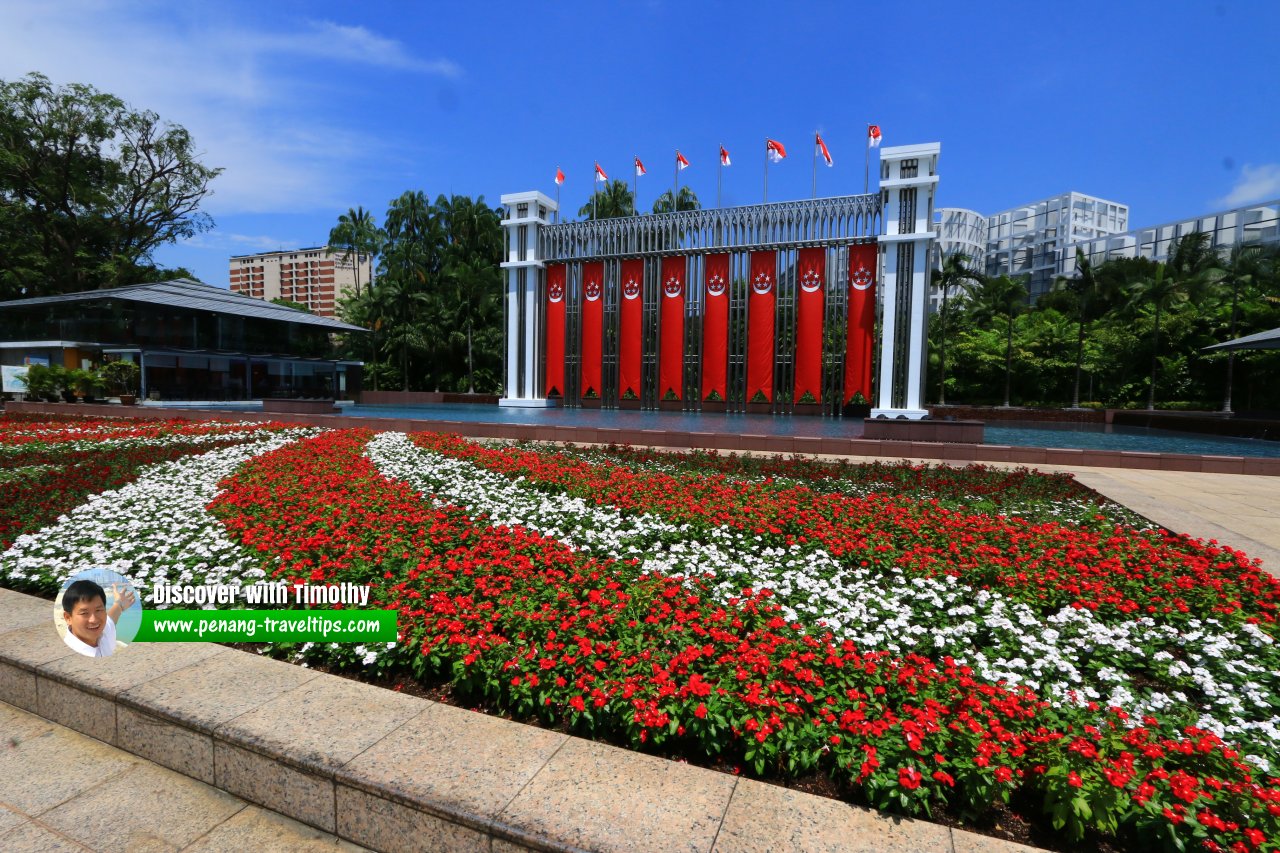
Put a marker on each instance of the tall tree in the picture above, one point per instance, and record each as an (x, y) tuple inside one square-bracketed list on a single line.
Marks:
[(615, 200), (1160, 291), (955, 273), (1085, 286), (686, 199), (89, 188), (411, 264), (1246, 266), (999, 297), (358, 236)]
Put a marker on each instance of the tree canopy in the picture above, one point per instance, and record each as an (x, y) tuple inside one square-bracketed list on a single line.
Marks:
[(89, 189)]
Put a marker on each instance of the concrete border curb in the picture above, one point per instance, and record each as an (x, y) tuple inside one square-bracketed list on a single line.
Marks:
[(393, 772)]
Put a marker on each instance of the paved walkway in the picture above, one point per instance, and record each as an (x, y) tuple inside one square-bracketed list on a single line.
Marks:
[(61, 790)]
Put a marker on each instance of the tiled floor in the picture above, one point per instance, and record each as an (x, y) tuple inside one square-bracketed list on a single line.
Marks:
[(61, 790)]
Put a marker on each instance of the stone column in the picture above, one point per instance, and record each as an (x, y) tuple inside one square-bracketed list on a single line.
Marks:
[(908, 183), (525, 214)]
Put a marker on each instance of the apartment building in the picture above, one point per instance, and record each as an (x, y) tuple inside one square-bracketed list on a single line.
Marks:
[(312, 277)]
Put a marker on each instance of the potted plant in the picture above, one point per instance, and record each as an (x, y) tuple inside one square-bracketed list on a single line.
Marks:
[(630, 400), (671, 402), (714, 402), (43, 383), (83, 383), (121, 378), (759, 404), (857, 407), (808, 405), (591, 399)]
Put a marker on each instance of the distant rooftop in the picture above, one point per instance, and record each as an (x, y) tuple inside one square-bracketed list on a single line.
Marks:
[(196, 295), (281, 252)]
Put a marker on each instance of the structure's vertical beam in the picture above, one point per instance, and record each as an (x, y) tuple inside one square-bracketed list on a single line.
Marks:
[(908, 180), (525, 215)]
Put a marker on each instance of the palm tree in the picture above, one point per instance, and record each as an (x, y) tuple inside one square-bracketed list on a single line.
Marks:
[(1246, 265), (1001, 296), (686, 199), (1160, 290), (357, 235), (955, 272), (615, 200), (1084, 285)]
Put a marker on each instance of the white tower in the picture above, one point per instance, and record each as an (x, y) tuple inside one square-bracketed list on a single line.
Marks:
[(526, 214), (908, 179)]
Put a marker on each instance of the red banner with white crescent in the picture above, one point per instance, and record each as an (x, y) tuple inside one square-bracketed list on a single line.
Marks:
[(631, 292), (760, 325), (811, 270), (862, 321), (592, 327), (555, 331), (715, 326), (671, 359)]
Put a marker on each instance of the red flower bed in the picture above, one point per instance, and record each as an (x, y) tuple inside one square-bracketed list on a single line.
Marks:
[(541, 630), (1115, 572)]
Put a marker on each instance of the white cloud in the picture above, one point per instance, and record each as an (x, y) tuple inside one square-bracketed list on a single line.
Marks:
[(264, 104), (222, 240), (1256, 183)]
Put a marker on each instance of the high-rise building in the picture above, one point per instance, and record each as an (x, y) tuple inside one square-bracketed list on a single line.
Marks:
[(312, 277)]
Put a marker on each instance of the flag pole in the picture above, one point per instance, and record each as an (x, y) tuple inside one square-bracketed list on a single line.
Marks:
[(866, 164), (719, 172), (635, 185), (766, 171), (675, 180), (557, 196), (595, 179), (815, 165)]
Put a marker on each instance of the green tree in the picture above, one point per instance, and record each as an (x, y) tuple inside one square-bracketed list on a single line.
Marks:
[(955, 273), (1246, 266), (289, 303), (686, 199), (615, 200), (999, 297), (411, 265), (89, 188), (1160, 292), (358, 236)]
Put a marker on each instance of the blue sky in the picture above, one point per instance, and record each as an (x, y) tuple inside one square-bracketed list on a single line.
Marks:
[(312, 108)]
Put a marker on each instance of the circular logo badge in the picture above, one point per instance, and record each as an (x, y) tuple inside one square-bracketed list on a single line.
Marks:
[(673, 287), (631, 289), (862, 278), (97, 613), (555, 291), (763, 283), (715, 284), (811, 281), (592, 290)]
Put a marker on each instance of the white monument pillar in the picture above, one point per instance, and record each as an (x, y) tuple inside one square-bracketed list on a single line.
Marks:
[(908, 183), (523, 290)]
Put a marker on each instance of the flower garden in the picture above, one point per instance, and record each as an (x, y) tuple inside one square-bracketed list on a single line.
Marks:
[(936, 642)]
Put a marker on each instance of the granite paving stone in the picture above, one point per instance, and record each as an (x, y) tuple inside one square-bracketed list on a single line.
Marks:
[(603, 798), (146, 808), (30, 837), (762, 818), (33, 646), (453, 760), (323, 724), (31, 777), (76, 709), (219, 688), (168, 744), (18, 686), (971, 842), (9, 819), (272, 783), (140, 663), (18, 610), (392, 828), (259, 829)]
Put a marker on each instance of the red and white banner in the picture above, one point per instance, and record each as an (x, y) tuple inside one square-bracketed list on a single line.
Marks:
[(862, 321), (671, 358), (760, 325), (631, 298), (873, 136), (811, 271), (559, 176), (823, 151), (592, 327), (724, 157), (715, 326), (681, 162), (640, 169), (555, 331), (774, 150)]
